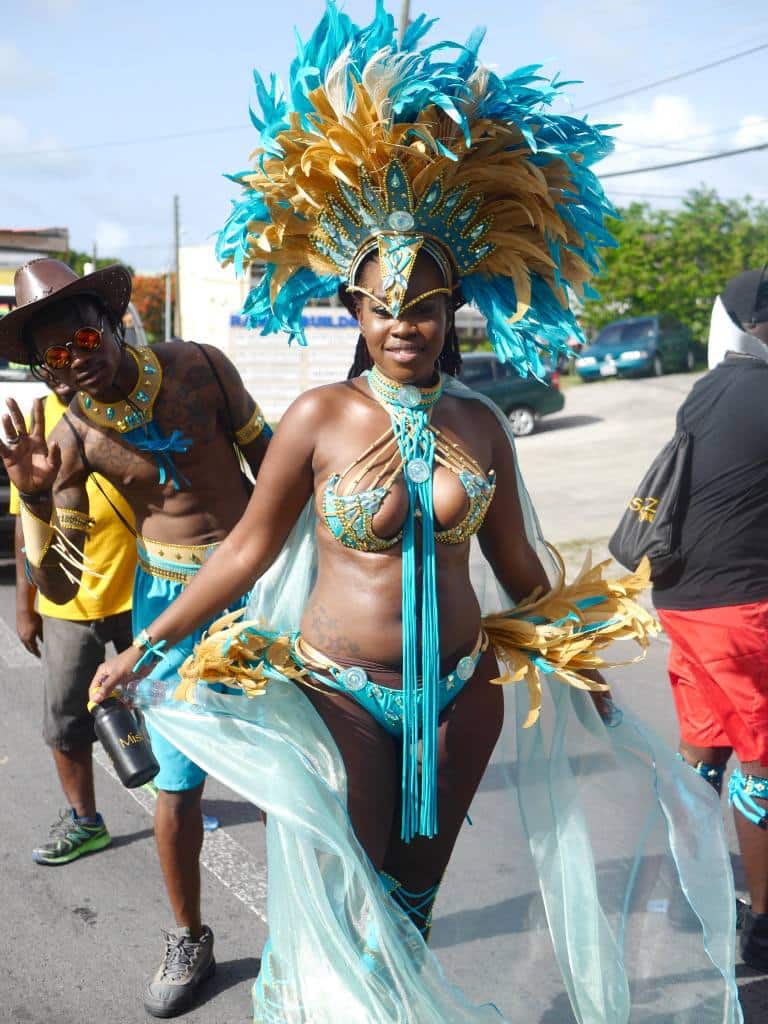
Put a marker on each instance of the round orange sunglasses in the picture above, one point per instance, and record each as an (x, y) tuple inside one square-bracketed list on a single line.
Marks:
[(88, 339)]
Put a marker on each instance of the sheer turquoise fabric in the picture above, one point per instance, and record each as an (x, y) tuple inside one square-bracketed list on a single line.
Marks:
[(622, 838)]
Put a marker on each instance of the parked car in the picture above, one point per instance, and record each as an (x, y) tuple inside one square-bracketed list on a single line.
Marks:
[(522, 399), (638, 346)]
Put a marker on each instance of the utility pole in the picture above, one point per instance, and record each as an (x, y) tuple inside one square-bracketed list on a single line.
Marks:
[(176, 245), (167, 332), (405, 17), (95, 255)]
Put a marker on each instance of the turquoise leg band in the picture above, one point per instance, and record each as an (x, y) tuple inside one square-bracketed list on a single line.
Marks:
[(417, 905), (742, 791), (711, 773)]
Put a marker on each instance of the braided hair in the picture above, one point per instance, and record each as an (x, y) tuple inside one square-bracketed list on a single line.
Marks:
[(449, 361)]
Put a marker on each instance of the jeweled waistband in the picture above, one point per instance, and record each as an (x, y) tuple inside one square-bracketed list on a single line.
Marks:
[(175, 562), (312, 659)]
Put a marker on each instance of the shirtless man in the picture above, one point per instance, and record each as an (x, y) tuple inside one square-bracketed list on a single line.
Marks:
[(159, 424)]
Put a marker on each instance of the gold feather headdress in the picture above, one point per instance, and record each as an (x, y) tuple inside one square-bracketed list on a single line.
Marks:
[(388, 149)]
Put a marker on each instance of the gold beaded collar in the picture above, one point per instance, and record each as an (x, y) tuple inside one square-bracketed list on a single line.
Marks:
[(135, 410)]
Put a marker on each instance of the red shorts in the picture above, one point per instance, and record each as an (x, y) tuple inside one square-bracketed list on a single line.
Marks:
[(718, 666)]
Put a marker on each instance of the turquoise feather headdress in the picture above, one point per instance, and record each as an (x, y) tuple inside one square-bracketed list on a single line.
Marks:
[(394, 149)]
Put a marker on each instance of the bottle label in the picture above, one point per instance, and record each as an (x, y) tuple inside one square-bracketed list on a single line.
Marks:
[(131, 739)]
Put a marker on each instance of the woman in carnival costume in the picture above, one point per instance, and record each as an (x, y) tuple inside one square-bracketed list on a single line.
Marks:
[(361, 709)]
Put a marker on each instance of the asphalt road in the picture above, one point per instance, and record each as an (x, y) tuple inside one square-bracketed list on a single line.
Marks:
[(77, 941)]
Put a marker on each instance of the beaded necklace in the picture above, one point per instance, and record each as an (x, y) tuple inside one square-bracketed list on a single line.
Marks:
[(409, 408), (132, 417), (137, 408)]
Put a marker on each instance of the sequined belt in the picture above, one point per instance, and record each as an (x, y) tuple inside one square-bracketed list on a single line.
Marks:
[(382, 702), (177, 563)]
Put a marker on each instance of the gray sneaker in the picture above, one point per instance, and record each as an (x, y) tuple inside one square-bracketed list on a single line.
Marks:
[(186, 964)]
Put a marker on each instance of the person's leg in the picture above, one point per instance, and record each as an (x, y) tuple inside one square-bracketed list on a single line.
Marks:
[(469, 730), (704, 742), (372, 759), (179, 838), (72, 651), (753, 837)]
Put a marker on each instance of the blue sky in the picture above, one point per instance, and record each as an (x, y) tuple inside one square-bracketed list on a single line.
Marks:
[(86, 89)]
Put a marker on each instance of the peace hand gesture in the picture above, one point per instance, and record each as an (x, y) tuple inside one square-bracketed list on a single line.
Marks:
[(31, 465)]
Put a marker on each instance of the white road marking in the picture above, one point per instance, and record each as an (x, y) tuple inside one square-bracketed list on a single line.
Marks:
[(11, 651), (225, 858)]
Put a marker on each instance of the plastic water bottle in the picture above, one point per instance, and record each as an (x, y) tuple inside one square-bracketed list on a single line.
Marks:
[(124, 740)]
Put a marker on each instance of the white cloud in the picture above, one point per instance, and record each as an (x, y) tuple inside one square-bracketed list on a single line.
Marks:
[(110, 236), (26, 155), (752, 131), (17, 74), (658, 133)]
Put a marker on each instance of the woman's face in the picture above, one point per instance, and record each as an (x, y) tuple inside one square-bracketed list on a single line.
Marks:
[(405, 348)]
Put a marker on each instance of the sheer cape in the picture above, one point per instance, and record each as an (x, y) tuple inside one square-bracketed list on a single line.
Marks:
[(628, 886)]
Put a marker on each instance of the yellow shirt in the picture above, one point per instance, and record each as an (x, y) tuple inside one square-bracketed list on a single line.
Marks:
[(109, 547)]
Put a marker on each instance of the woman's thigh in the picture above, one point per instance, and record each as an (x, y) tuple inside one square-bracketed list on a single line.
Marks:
[(372, 760), (469, 730)]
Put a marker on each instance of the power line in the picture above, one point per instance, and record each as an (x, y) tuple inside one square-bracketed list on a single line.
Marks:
[(683, 163), (129, 142), (691, 138), (675, 78)]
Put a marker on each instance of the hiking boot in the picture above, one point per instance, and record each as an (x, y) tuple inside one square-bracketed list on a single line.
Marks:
[(70, 837), (186, 964), (754, 940)]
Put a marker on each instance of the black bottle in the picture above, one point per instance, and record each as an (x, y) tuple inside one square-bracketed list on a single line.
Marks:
[(126, 742)]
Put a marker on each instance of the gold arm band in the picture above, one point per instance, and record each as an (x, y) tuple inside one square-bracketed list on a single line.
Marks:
[(252, 429), (38, 535), (71, 519)]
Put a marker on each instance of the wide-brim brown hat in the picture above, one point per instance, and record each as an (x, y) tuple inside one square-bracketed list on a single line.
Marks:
[(43, 282)]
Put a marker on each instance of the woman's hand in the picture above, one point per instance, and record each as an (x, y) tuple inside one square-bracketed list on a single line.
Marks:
[(30, 464), (117, 672)]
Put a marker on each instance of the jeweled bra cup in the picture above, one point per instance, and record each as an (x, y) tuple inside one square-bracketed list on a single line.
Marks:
[(349, 516)]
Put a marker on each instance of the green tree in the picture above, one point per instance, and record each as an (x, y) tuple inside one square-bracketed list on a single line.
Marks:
[(676, 261), (77, 261)]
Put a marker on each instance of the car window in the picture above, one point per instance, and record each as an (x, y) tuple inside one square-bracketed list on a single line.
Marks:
[(477, 371), (14, 371), (625, 334)]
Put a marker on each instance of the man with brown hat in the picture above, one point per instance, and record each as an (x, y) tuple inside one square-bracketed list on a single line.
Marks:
[(167, 426)]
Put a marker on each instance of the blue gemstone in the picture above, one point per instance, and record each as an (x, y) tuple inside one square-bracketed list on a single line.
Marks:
[(110, 413), (142, 396), (465, 669), (418, 471), (354, 678), (87, 401), (149, 369)]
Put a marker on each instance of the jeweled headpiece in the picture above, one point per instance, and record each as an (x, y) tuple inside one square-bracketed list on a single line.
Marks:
[(389, 149)]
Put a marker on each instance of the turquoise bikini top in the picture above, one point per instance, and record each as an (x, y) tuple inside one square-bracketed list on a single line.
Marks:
[(349, 513)]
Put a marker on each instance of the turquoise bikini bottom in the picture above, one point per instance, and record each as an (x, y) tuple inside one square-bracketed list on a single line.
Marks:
[(384, 703)]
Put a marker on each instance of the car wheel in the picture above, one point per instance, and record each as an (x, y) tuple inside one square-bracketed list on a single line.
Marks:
[(690, 360), (658, 366), (522, 421)]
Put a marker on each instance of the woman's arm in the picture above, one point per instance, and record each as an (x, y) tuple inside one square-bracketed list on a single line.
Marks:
[(284, 485), (502, 538)]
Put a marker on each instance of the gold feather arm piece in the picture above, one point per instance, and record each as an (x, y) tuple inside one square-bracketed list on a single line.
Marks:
[(239, 654), (564, 631)]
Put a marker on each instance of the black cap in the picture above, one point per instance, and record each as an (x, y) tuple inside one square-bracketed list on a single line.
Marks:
[(745, 297)]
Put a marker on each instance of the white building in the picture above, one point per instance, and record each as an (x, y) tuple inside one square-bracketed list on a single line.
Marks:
[(274, 372)]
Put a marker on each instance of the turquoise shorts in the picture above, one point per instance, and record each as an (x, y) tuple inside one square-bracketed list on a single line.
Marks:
[(151, 595)]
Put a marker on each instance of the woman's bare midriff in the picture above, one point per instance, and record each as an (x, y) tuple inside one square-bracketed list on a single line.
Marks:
[(355, 607)]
